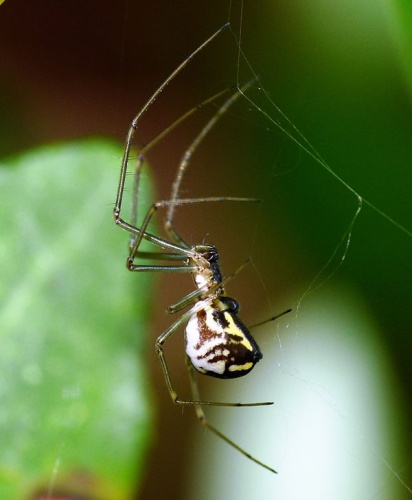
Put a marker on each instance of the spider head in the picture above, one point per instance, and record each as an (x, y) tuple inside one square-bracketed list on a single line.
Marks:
[(206, 258)]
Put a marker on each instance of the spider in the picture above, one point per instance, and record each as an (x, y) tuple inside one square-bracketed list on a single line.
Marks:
[(218, 343)]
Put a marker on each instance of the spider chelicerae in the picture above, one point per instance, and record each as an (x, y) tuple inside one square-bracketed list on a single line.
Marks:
[(218, 343)]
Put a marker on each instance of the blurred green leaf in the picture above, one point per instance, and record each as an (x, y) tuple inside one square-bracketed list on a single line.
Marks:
[(74, 413), (400, 23)]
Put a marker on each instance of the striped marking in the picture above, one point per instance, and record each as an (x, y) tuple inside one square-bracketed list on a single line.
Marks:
[(218, 343)]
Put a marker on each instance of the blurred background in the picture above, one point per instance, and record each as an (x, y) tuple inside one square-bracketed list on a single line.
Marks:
[(340, 72)]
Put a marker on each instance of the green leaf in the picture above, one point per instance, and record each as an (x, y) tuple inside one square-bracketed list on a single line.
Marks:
[(74, 414)]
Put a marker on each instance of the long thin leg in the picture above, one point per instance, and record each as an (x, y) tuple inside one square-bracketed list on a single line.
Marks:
[(136, 119), (135, 240), (160, 242), (185, 161), (200, 414), (142, 153), (181, 252), (273, 318), (131, 228), (138, 234), (141, 232)]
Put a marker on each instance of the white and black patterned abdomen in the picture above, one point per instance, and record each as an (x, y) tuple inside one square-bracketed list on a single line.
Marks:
[(218, 343)]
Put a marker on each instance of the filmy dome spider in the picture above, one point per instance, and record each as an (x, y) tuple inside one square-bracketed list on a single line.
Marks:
[(217, 342)]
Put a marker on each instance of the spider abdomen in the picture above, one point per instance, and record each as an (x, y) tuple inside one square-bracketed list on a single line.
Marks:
[(219, 344)]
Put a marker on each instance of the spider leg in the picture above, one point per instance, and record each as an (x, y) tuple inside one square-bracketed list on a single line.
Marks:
[(268, 320), (174, 201), (141, 157), (128, 145), (200, 414), (182, 252), (138, 234), (136, 119), (187, 156), (184, 163)]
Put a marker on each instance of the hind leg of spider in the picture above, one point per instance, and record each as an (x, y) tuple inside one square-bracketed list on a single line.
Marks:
[(200, 414), (162, 358)]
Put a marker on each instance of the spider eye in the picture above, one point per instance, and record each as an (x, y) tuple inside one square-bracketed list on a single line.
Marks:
[(212, 256)]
